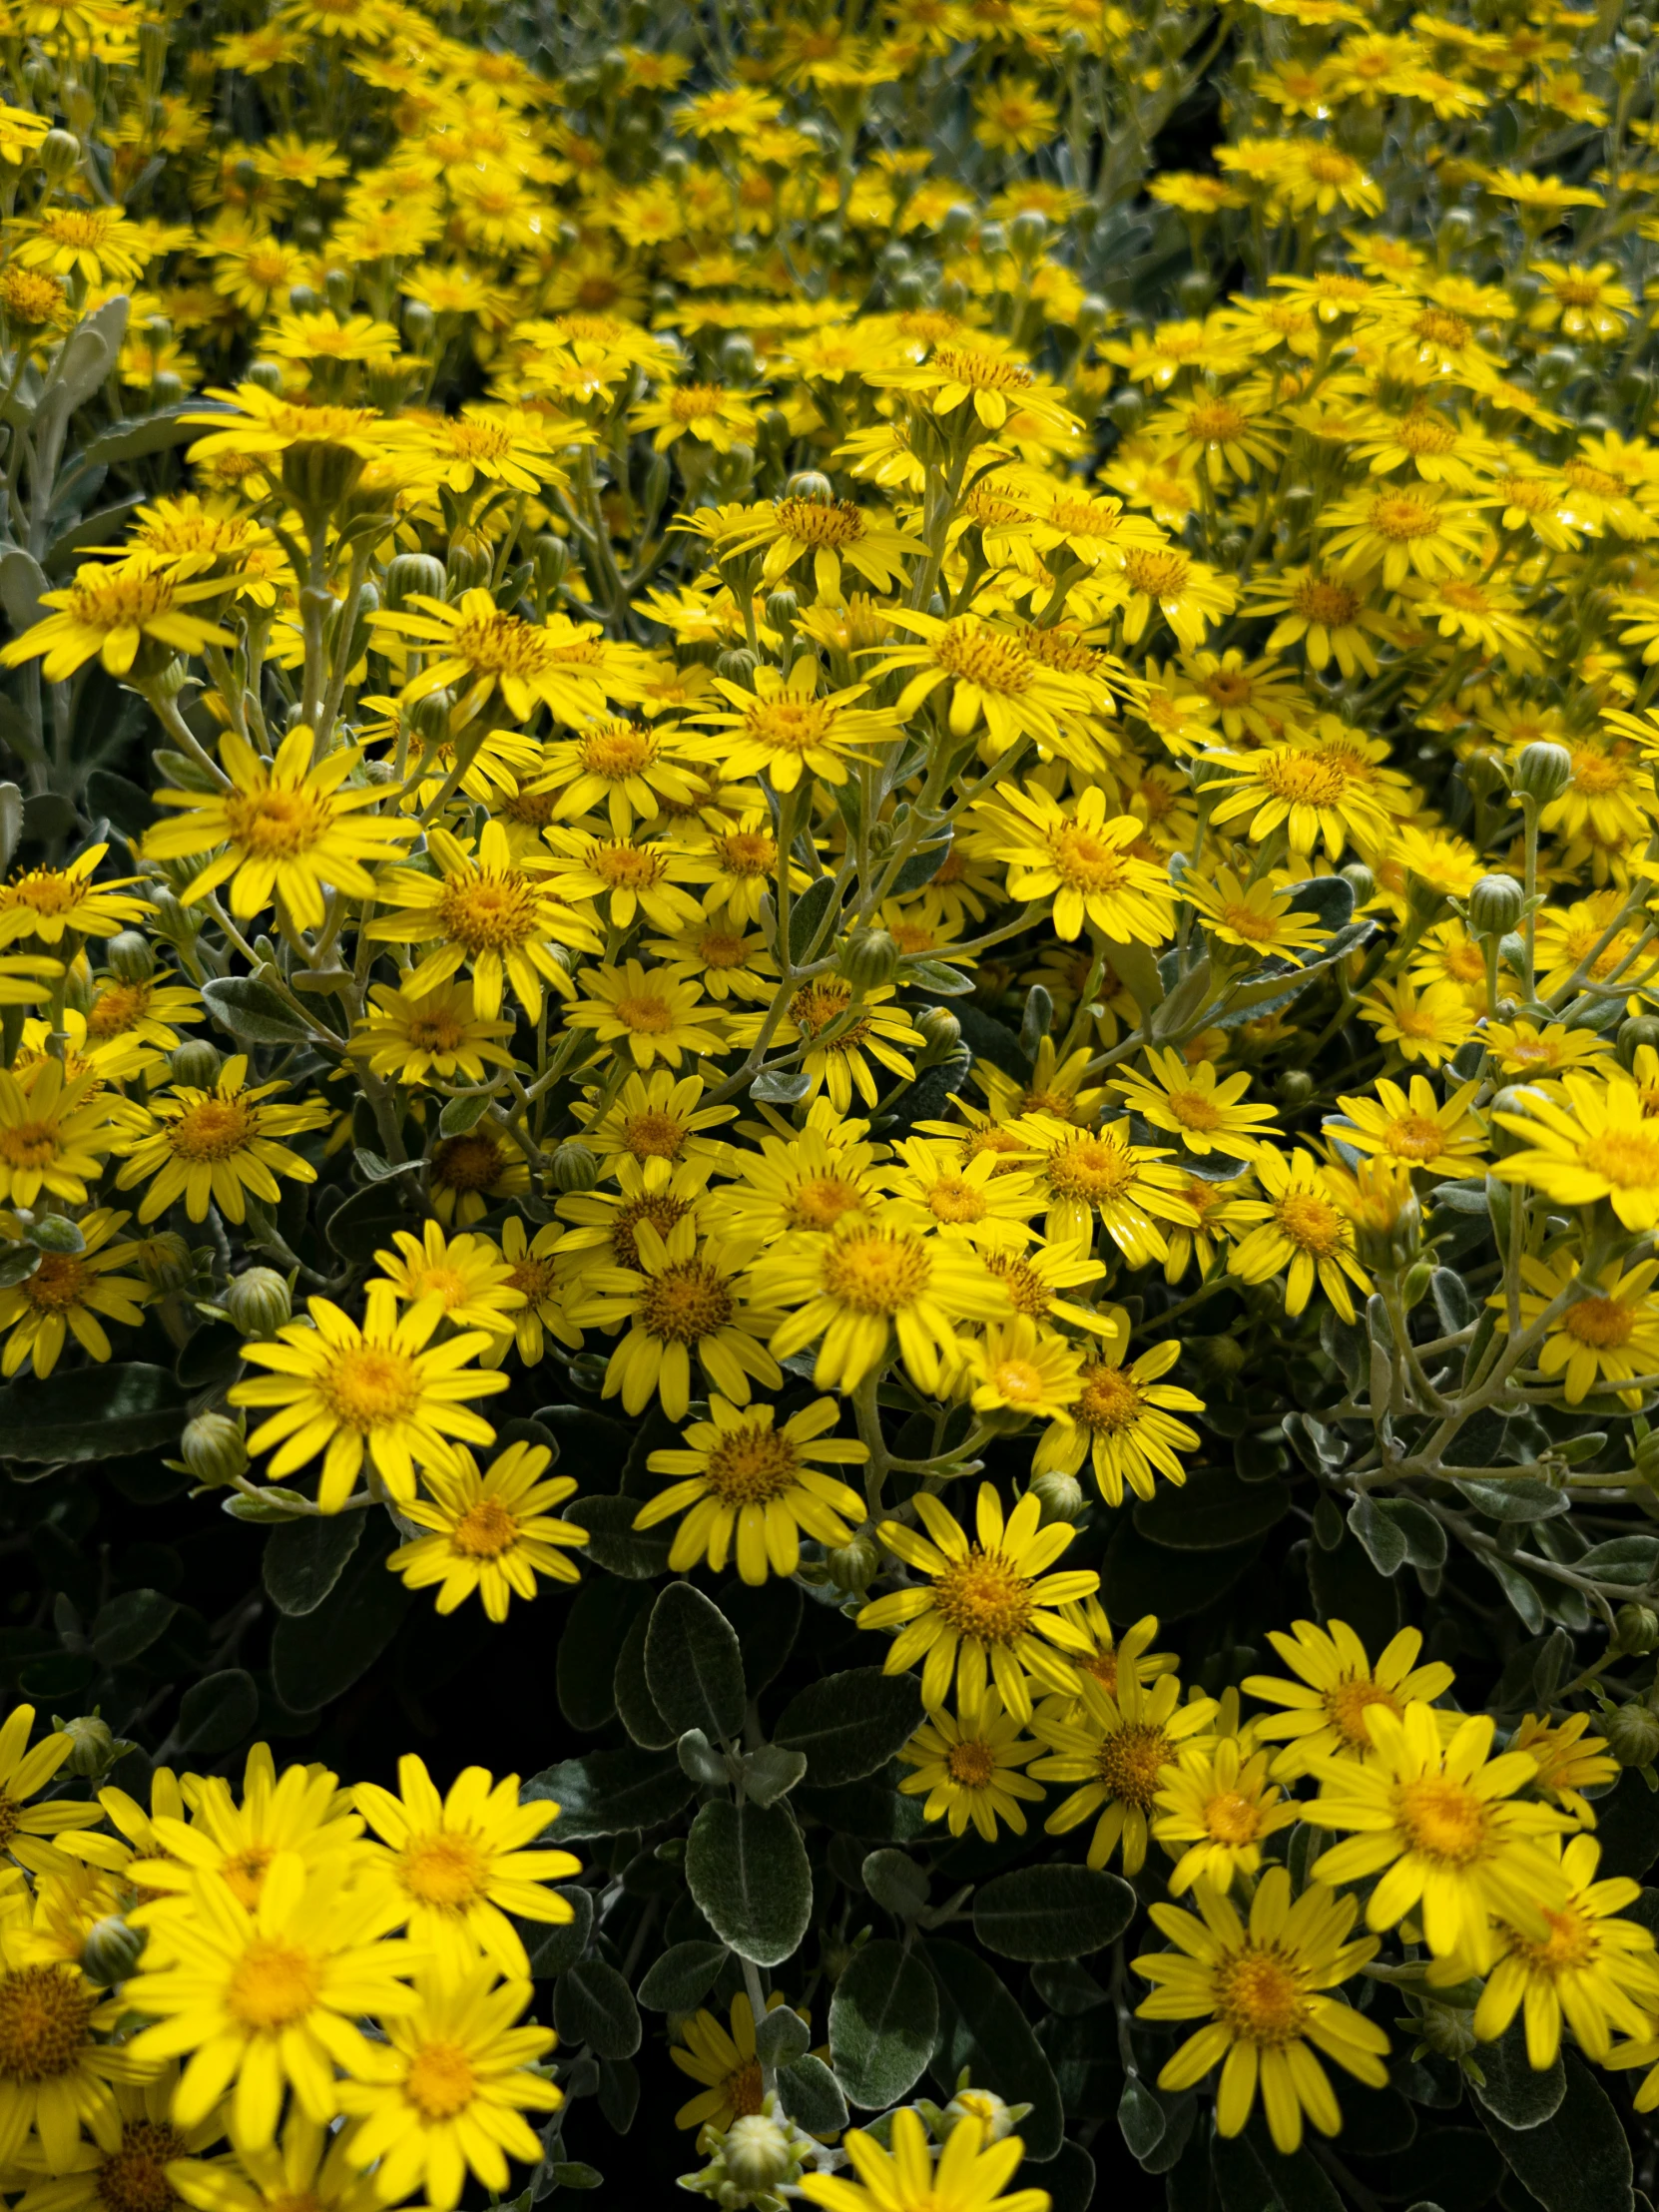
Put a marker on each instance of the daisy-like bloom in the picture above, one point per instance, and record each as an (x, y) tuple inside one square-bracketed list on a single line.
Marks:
[(437, 1033), (1019, 1372), (1162, 580), (25, 1829), (127, 2171), (985, 373), (1429, 1026), (488, 913), (967, 1765), (50, 904), (147, 1013), (214, 1146), (1108, 1654), (831, 535), (1059, 1088), (306, 2165), (67, 1294), (843, 1030), (1187, 1100), (382, 1392), (492, 1533), (1122, 1419), (479, 651), (685, 1297), (629, 877), (783, 728), (464, 1278), (655, 1013), (987, 1606), (1220, 1805), (1328, 615), (1314, 792), (724, 2063), (58, 2069), (1300, 1231), (996, 680), (982, 1201), (970, 2175), (1414, 1128), (1256, 918), (98, 244), (113, 611), (449, 2095), (711, 413), (1523, 1050), (1596, 1142), (495, 445), (1440, 1823), (1599, 1341), (658, 1122), (807, 1181), (53, 1133), (1220, 1223), (464, 1173), (458, 1865), (302, 1811), (869, 1283), (533, 1272), (748, 1489), (1079, 856), (1114, 1744), (1260, 1992), (1403, 530), (284, 831), (1570, 1761), (1131, 1187), (256, 2001), (625, 766), (1590, 1967), (1336, 1686)]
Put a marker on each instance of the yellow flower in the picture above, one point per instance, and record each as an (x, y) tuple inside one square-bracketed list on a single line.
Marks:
[(659, 1012), (215, 1147), (969, 1766), (984, 372), (1440, 1824), (710, 413), (1114, 1744), (1569, 1760), (1313, 791), (382, 1390), (1123, 1420), (471, 645), (724, 2064), (1522, 1050), (1017, 1374), (1257, 917), (1131, 1187), (305, 2164), (1592, 1968), (1594, 1145), (24, 1773), (53, 1133), (66, 1294), (1412, 1128), (256, 2001), (1188, 1101), (51, 903), (1602, 1339), (1081, 859), (493, 1532), (282, 830), (96, 244), (1220, 1805), (626, 767), (684, 1297), (971, 2173), (994, 680), (982, 1201), (437, 1033), (749, 1490), (1428, 1025), (842, 1031), (1261, 1990), (58, 2067), (1336, 1685), (785, 729), (988, 1604), (113, 611), (459, 1865), (464, 1173), (1301, 1230), (656, 1121)]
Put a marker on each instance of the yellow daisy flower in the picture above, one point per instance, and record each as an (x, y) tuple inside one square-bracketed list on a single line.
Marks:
[(1300, 1231), (749, 1490), (1414, 1128), (1336, 1686), (1114, 1744), (967, 1765), (686, 1295), (1123, 1420), (66, 1295), (1220, 1805), (216, 1146)]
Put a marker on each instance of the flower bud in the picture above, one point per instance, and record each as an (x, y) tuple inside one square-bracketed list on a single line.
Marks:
[(1632, 1733), (870, 959), (164, 1260), (996, 2119), (1415, 1289), (130, 956), (1636, 1628), (1294, 1087), (782, 608), (552, 558), (588, 1370), (91, 1744), (194, 1063), (213, 1450), (737, 666), (1633, 1034), (257, 1303), (1543, 772), (1061, 1496), (1383, 1208), (1495, 906), (318, 473), (1091, 318), (575, 1168), (468, 565), (110, 1951), (812, 485), (409, 573), (1446, 2029), (60, 155), (1027, 233), (429, 717), (1646, 1457), (759, 2153), (854, 1566), (1360, 882), (941, 1032)]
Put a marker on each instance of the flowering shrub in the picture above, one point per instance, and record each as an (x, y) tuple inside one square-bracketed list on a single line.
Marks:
[(829, 1003)]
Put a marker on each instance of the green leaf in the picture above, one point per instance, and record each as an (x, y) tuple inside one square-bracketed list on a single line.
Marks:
[(93, 1413), (461, 1114), (1627, 1827), (921, 868), (634, 1706), (154, 433), (812, 2096), (610, 1792), (216, 1713), (1141, 2120), (589, 1646), (680, 1979), (304, 1559), (780, 1087), (1578, 2158), (129, 1624), (592, 2005), (772, 1773), (252, 1012), (1210, 1511), (366, 1221), (1627, 1560), (935, 976), (555, 1946), (1345, 1586), (17, 1264), (614, 1543), (1516, 2097), (693, 1666), (851, 1724), (781, 2036), (883, 2019), (1251, 2176), (317, 1657), (767, 1617), (807, 914), (983, 2026), (1052, 1913), (747, 1868), (22, 580)]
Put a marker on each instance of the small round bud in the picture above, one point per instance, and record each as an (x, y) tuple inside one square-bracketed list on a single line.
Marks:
[(1647, 1457), (164, 1260), (1027, 234), (318, 474), (91, 1746), (467, 565), (869, 958), (737, 358), (110, 1951), (1091, 318), (1543, 772), (575, 1168), (758, 2153), (429, 717), (993, 240), (1641, 1029), (1127, 408), (552, 556), (1636, 1628), (60, 155), (958, 226), (1360, 882), (257, 1303), (1632, 1733), (268, 374), (854, 1566), (737, 666), (996, 2118), (782, 608), (812, 485), (1415, 1285), (130, 956), (408, 573), (1495, 906), (213, 1450), (194, 1063), (1448, 2030), (1294, 1087), (941, 1030), (1061, 1496)]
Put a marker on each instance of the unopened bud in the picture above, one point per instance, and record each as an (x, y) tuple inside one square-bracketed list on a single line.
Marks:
[(92, 1745), (1360, 882), (854, 1566), (1641, 1029), (130, 956), (737, 666), (1495, 906), (318, 474), (60, 155), (1059, 1496), (1636, 1628), (164, 1260), (213, 1450), (1543, 772), (810, 484), (409, 573), (758, 2153), (1445, 2029), (575, 1168), (1415, 1285), (1294, 1087), (1632, 1733), (194, 1063), (869, 958), (782, 608), (110, 1951), (429, 716), (257, 1303), (941, 1032)]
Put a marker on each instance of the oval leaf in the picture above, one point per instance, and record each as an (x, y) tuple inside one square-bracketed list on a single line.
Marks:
[(592, 2005), (746, 1869), (1047, 1913), (883, 2019), (611, 1792), (693, 1666), (850, 1724)]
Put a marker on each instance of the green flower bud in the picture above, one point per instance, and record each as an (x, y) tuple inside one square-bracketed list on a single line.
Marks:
[(129, 957), (1361, 880), (408, 573), (1445, 2029), (1543, 772), (1636, 1628), (318, 474), (1633, 1034), (194, 1063), (257, 1303), (759, 2154), (575, 1168), (165, 1260), (1294, 1087), (92, 1745), (854, 1566), (1495, 906), (1632, 1733), (782, 608), (1061, 1496), (737, 666), (60, 155), (870, 959), (941, 1032), (429, 717), (110, 1951), (213, 1450)]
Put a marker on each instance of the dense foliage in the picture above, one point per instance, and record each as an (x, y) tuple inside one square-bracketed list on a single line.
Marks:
[(830, 1005)]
